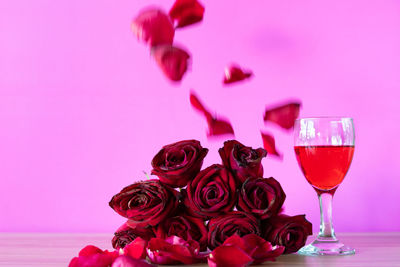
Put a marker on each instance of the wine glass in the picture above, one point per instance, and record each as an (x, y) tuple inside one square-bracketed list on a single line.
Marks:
[(324, 149)]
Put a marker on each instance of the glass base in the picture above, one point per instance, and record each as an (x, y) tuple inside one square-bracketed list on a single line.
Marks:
[(327, 246)]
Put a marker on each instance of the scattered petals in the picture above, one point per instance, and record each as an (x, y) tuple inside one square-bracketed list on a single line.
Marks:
[(186, 12), (269, 144), (231, 256), (125, 261), (174, 250), (153, 27), (234, 73), (262, 250), (172, 60), (284, 115), (136, 249), (93, 256), (216, 126)]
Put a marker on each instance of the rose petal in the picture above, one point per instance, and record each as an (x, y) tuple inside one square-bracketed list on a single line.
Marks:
[(172, 60), (186, 12), (231, 256), (173, 250), (216, 126), (90, 250), (196, 103), (136, 249), (269, 144), (219, 127), (125, 261), (234, 73), (262, 250), (93, 256), (283, 115), (153, 27)]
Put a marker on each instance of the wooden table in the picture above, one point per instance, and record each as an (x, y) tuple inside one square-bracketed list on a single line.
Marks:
[(36, 249)]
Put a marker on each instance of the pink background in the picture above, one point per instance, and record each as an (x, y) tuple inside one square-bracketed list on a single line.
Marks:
[(83, 107)]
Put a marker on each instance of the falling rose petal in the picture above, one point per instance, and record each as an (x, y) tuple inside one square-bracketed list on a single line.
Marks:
[(216, 126), (172, 60), (153, 27), (283, 115), (234, 73), (186, 12), (231, 256), (269, 144), (125, 261), (136, 249), (219, 127), (196, 103)]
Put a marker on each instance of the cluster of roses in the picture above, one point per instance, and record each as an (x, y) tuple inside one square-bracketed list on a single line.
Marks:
[(226, 213)]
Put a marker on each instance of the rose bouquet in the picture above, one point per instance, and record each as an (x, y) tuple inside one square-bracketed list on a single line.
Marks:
[(190, 215)]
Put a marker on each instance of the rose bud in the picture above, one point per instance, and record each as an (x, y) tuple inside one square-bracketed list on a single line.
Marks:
[(186, 12), (172, 60), (126, 234), (263, 197), (93, 256), (288, 231), (178, 163), (145, 203), (234, 222), (186, 227), (174, 250), (242, 161), (211, 192), (283, 115), (153, 27)]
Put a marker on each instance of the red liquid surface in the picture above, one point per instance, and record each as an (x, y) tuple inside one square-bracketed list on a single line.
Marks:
[(324, 166)]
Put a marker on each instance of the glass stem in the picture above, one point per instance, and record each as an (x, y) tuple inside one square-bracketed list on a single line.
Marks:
[(326, 231)]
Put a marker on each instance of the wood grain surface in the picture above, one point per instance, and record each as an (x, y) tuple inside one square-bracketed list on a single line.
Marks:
[(39, 249)]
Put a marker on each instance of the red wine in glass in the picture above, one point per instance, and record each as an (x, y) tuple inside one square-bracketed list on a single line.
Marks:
[(324, 166), (324, 149)]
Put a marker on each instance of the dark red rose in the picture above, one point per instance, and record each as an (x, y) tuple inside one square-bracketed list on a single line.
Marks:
[(93, 256), (242, 161), (269, 144), (153, 27), (126, 261), (145, 203), (216, 125), (172, 60), (235, 222), (186, 12), (178, 163), (234, 73), (186, 227), (126, 234), (174, 250), (283, 115), (262, 197), (211, 192), (288, 231)]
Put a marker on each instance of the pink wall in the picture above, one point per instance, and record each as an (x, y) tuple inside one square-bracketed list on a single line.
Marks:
[(83, 108)]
